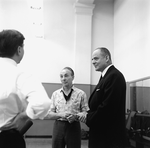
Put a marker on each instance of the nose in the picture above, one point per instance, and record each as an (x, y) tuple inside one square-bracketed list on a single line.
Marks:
[(93, 61), (63, 78)]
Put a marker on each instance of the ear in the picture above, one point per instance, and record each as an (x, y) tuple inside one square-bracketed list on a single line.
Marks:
[(107, 58), (18, 50), (72, 77)]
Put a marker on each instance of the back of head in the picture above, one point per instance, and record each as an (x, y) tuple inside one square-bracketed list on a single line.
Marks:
[(9, 42)]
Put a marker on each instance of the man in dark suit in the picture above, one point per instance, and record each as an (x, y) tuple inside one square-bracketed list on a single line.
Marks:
[(106, 117)]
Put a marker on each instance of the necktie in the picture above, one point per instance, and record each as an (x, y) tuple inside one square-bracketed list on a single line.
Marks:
[(100, 78)]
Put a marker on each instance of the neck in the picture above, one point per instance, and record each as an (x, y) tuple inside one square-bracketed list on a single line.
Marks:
[(15, 59), (67, 88)]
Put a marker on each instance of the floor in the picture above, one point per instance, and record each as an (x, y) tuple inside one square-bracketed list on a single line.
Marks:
[(46, 143)]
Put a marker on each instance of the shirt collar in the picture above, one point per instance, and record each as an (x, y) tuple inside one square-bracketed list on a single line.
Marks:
[(105, 70), (8, 60), (71, 88)]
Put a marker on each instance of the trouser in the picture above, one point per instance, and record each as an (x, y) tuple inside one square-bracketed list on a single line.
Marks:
[(11, 139), (102, 140), (66, 134)]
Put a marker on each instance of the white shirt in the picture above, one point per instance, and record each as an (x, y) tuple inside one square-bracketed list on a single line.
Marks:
[(32, 95), (105, 70)]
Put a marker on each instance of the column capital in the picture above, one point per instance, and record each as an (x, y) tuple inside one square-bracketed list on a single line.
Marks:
[(84, 7), (85, 1)]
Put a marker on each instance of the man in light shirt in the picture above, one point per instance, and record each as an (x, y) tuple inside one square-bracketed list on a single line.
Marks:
[(69, 104), (22, 96)]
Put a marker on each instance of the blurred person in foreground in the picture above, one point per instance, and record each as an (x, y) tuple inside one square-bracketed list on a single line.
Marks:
[(68, 104), (106, 117), (22, 96)]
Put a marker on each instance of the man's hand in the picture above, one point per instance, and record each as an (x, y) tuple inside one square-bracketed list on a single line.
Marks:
[(82, 117), (72, 118), (64, 114), (54, 116)]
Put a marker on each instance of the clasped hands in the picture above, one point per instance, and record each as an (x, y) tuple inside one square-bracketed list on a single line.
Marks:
[(76, 117)]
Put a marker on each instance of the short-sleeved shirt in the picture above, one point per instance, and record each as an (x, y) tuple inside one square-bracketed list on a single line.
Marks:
[(76, 104)]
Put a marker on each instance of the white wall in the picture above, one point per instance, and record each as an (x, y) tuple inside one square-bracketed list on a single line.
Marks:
[(121, 25), (47, 56), (14, 15), (55, 51), (131, 38), (43, 57)]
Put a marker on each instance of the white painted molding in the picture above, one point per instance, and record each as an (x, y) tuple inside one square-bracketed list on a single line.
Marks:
[(83, 34), (85, 1), (84, 7)]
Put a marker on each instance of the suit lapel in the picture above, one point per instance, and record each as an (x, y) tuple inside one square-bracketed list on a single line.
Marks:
[(95, 88), (100, 82)]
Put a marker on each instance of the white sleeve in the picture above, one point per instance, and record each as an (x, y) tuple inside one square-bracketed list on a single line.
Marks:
[(52, 107), (38, 100)]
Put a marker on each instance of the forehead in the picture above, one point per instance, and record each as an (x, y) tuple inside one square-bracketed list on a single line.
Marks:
[(96, 53), (65, 72)]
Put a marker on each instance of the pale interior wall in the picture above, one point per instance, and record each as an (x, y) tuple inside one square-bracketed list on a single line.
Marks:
[(46, 57), (59, 35), (131, 38), (43, 57), (125, 33), (55, 51)]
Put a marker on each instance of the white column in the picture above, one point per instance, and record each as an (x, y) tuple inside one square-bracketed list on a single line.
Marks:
[(83, 33)]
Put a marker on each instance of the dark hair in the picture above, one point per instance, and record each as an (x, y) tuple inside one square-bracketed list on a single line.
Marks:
[(9, 42), (70, 69), (105, 51)]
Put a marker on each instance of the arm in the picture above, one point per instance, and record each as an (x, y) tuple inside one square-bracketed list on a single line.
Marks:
[(38, 101), (53, 114), (110, 96), (17, 123), (84, 108)]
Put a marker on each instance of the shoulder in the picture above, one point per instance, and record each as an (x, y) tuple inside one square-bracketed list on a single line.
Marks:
[(77, 90), (115, 75), (56, 91), (114, 71)]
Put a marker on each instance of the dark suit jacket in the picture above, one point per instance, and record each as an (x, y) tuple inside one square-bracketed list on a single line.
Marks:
[(106, 117)]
